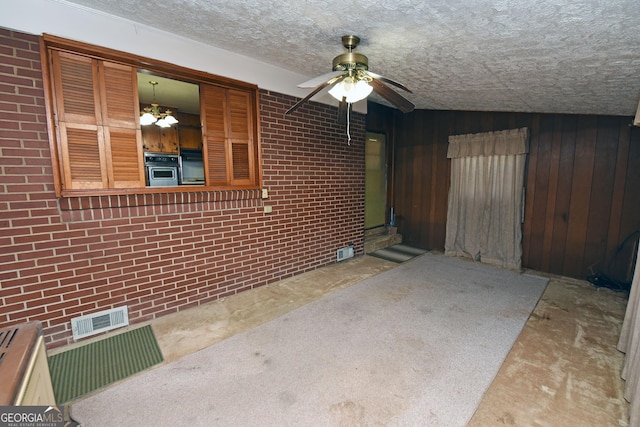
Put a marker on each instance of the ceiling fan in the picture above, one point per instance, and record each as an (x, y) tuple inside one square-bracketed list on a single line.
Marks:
[(350, 81)]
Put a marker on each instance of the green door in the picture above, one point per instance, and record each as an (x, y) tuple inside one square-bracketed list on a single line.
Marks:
[(375, 189)]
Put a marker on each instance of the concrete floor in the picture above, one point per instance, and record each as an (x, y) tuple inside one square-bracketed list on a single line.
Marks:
[(562, 371)]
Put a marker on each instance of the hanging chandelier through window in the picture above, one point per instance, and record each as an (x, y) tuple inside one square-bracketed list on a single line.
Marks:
[(152, 114)]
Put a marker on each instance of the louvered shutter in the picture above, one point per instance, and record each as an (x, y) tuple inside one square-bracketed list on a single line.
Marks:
[(213, 101), (77, 110), (229, 144), (123, 139), (96, 110), (241, 137)]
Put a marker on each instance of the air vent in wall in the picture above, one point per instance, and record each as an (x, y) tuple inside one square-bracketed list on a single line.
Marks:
[(344, 253), (101, 321)]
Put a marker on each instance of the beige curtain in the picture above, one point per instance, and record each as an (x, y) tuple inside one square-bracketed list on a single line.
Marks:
[(486, 197), (629, 343)]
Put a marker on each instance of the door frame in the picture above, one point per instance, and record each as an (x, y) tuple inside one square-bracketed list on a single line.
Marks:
[(388, 176)]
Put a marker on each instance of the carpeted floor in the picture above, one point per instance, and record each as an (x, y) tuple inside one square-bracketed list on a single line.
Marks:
[(416, 345)]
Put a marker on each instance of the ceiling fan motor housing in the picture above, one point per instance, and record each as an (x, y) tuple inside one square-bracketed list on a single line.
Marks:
[(350, 61)]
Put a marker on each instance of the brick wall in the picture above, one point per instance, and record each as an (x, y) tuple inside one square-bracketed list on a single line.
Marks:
[(61, 258)]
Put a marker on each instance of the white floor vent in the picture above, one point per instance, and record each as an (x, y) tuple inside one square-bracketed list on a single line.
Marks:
[(101, 321), (344, 253)]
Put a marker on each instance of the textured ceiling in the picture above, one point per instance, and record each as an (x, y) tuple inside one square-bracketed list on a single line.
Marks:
[(550, 56)]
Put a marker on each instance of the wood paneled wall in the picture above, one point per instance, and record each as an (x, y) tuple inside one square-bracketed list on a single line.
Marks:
[(582, 184)]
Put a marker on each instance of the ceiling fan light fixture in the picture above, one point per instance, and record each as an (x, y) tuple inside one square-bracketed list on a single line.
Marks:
[(351, 81), (351, 90)]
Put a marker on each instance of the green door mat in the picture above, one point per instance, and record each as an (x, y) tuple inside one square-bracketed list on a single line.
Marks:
[(398, 253), (85, 369)]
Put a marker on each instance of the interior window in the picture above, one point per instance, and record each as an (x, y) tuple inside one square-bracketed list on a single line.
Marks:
[(171, 130), (119, 126)]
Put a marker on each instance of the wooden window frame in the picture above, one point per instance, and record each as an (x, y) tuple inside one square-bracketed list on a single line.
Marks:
[(244, 96)]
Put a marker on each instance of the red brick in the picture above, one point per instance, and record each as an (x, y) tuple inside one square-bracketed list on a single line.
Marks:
[(27, 313), (163, 253)]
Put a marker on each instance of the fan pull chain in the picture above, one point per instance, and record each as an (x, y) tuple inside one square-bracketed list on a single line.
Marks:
[(348, 115)]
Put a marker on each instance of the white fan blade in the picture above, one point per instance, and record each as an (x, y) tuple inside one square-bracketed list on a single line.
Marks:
[(386, 80), (320, 79), (316, 90)]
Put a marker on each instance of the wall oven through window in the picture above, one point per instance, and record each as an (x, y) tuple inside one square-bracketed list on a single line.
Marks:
[(161, 169)]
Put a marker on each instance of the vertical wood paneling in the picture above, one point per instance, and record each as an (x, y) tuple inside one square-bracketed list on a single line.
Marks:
[(537, 166), (425, 153), (403, 174), (542, 182), (605, 155), (415, 162), (432, 171), (617, 197), (442, 172), (631, 204), (580, 195), (582, 181), (563, 195), (552, 193)]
